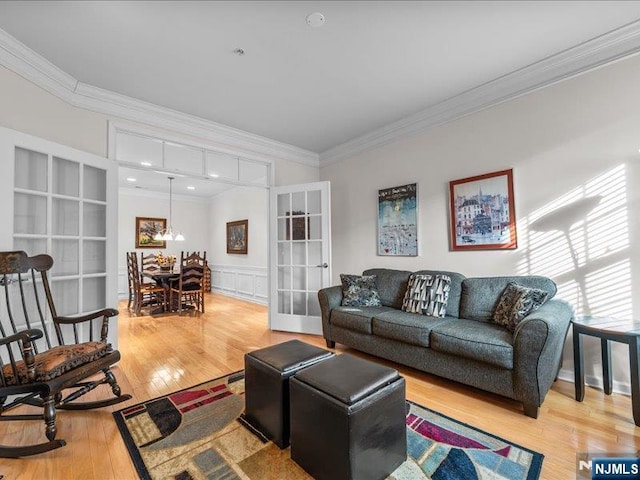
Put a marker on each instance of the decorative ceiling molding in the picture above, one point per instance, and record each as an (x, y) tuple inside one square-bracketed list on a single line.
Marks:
[(27, 63), (595, 53)]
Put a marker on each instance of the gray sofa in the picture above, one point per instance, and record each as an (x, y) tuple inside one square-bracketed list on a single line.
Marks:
[(465, 345)]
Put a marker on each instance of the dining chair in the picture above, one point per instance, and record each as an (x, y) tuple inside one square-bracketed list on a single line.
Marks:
[(130, 273), (144, 294), (150, 265), (189, 286)]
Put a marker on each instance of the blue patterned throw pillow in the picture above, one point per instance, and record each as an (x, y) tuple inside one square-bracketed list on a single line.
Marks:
[(359, 291), (427, 295), (516, 302)]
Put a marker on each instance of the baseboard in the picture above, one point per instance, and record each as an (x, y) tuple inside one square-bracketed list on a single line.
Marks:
[(240, 296), (596, 382)]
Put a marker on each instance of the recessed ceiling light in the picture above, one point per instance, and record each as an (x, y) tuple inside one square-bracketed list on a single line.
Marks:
[(315, 19), (191, 187), (173, 174), (214, 175), (239, 51), (131, 179), (145, 164)]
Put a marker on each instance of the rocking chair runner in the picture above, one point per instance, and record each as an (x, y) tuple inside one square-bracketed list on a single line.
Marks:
[(35, 371)]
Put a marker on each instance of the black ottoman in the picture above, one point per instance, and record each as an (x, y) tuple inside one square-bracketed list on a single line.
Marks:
[(348, 419), (267, 373)]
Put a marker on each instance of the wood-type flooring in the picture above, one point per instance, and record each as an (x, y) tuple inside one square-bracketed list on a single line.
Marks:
[(167, 353)]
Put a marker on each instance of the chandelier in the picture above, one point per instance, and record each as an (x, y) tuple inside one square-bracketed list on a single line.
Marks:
[(168, 233)]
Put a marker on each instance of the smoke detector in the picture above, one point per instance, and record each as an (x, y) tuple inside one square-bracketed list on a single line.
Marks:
[(315, 20)]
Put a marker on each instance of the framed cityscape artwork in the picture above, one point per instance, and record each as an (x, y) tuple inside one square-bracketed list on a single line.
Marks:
[(398, 221), (482, 212)]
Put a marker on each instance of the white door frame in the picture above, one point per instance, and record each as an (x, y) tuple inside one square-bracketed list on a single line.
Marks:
[(308, 321)]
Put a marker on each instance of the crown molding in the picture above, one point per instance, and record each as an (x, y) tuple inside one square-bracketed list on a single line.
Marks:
[(24, 61), (595, 53)]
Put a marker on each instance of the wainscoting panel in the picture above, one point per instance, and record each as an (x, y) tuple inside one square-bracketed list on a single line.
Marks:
[(123, 285), (248, 283)]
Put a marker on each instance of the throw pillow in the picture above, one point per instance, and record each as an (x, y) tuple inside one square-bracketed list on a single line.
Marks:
[(427, 294), (516, 302), (359, 291)]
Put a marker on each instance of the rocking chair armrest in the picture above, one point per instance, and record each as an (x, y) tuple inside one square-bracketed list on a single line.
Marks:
[(24, 336), (105, 313), (24, 339), (71, 319)]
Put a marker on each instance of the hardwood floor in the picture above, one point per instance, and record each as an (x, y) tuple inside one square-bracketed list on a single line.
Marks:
[(164, 354)]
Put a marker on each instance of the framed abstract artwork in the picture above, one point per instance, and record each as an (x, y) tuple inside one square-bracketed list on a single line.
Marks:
[(146, 229), (398, 221), (482, 212), (238, 236)]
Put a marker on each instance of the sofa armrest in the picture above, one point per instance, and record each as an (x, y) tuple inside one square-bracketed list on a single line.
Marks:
[(329, 299), (537, 348)]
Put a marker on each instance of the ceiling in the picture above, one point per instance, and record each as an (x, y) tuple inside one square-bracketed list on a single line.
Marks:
[(371, 64), (143, 180)]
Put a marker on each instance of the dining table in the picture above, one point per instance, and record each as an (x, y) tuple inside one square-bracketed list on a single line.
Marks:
[(164, 278)]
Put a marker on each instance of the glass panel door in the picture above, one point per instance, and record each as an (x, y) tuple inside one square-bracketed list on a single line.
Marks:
[(62, 201), (300, 250)]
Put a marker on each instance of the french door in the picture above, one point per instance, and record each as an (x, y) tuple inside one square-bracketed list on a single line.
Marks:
[(63, 202), (300, 258)]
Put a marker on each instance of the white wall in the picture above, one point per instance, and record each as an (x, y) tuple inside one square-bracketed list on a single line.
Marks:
[(575, 139), (289, 173), (190, 216), (241, 203), (28, 108), (239, 275)]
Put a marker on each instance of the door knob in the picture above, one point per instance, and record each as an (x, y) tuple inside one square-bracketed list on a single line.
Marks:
[(324, 265)]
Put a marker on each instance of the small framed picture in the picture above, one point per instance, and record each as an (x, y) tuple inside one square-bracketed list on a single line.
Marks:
[(146, 229), (237, 236), (482, 212)]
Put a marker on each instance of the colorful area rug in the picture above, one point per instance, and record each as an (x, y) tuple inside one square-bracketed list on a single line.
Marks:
[(198, 433)]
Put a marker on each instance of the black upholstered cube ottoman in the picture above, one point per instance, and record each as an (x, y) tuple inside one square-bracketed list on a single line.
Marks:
[(348, 419), (267, 373)]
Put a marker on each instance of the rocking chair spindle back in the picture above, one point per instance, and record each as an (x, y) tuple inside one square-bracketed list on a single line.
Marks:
[(44, 354)]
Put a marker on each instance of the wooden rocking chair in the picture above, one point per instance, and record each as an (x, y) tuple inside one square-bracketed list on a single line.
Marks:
[(39, 361)]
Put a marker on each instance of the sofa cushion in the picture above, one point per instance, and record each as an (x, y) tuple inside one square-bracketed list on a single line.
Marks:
[(355, 318), (392, 284), (485, 342), (427, 294), (480, 296), (455, 289), (516, 302), (411, 328), (359, 291)]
